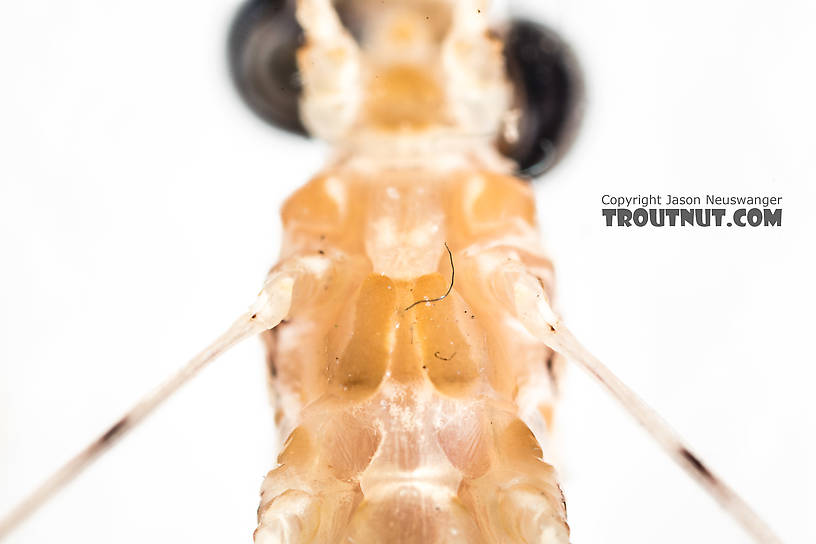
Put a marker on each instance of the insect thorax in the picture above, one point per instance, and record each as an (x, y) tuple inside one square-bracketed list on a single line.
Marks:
[(409, 414)]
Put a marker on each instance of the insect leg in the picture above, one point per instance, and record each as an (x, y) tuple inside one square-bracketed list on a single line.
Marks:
[(473, 60), (329, 65), (270, 308), (533, 310)]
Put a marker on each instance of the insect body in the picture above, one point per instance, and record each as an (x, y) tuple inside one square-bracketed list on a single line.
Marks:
[(406, 412), (411, 336)]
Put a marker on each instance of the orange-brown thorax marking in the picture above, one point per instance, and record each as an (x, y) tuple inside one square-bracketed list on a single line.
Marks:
[(407, 345), (390, 232)]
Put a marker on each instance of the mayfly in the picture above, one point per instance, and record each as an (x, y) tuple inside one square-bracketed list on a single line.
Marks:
[(414, 351)]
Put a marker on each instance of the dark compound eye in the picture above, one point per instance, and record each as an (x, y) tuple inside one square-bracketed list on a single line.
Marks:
[(548, 90), (263, 40)]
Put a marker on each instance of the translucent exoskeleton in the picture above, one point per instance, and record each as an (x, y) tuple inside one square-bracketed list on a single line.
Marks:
[(414, 347)]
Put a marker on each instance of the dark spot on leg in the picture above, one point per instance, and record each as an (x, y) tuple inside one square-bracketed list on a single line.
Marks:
[(698, 465), (114, 431)]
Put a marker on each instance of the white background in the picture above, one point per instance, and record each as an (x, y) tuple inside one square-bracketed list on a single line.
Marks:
[(138, 215)]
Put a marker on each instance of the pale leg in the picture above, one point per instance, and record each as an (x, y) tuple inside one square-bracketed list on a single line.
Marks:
[(270, 308), (534, 311), (329, 66)]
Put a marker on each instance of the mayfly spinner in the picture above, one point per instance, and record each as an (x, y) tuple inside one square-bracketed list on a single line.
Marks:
[(414, 350)]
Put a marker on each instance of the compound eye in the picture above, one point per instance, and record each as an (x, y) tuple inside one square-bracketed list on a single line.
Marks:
[(263, 40), (548, 97)]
